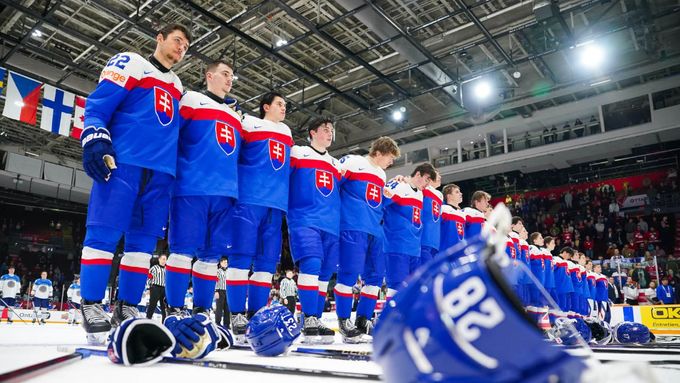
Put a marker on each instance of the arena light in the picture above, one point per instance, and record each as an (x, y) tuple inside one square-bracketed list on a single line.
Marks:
[(482, 89), (397, 115), (281, 42), (36, 33), (591, 55)]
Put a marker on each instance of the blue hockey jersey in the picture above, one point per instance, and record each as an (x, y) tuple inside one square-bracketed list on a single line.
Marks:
[(209, 143), (452, 226), (432, 211), (361, 194), (403, 224), (139, 105), (314, 199), (474, 219), (264, 163)]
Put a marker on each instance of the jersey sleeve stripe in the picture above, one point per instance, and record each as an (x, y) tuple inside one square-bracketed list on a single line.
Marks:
[(430, 194), (453, 217), (365, 177), (301, 163), (150, 82), (261, 136), (407, 201)]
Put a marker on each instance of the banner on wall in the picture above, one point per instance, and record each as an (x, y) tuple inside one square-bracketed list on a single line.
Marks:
[(635, 201), (661, 319)]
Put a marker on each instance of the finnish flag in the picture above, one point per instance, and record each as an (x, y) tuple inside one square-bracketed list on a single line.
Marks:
[(57, 111)]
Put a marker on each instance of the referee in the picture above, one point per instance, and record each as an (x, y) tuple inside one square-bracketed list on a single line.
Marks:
[(157, 287), (288, 291), (222, 315)]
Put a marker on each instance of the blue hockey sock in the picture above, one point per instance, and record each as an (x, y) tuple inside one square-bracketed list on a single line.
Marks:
[(95, 268), (237, 286), (321, 297), (343, 300), (308, 291), (258, 290), (134, 271), (177, 274), (204, 278), (367, 301)]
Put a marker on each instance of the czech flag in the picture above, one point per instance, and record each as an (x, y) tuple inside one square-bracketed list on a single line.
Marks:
[(23, 94)]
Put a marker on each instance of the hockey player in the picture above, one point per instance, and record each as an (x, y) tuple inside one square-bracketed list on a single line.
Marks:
[(255, 221), (549, 283), (205, 190), (475, 214), (539, 270), (130, 150), (576, 294), (563, 284), (453, 218), (10, 289), (73, 296), (431, 218), (314, 223), (403, 224), (361, 234), (41, 293)]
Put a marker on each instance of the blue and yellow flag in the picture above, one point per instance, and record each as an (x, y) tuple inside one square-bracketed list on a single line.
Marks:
[(2, 79)]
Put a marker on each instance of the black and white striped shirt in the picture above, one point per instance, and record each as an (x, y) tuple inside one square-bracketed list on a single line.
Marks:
[(157, 275), (221, 279), (288, 288)]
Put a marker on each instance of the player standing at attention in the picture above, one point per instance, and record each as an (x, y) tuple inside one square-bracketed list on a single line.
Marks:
[(205, 190), (73, 295), (453, 218), (255, 221), (431, 217), (361, 234), (314, 223), (475, 214), (41, 293), (10, 288), (403, 224), (130, 151)]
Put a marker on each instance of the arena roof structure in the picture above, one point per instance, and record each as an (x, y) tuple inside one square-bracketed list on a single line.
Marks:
[(408, 69)]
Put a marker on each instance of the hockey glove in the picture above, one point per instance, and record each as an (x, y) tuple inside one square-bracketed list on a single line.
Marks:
[(98, 154), (139, 342), (195, 336), (233, 104), (226, 338)]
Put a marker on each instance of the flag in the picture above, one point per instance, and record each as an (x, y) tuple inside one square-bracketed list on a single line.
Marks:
[(78, 118), (2, 78), (57, 110), (23, 94)]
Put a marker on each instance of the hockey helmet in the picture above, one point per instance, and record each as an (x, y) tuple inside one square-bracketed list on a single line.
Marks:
[(458, 320), (601, 331), (632, 332), (272, 330), (570, 331)]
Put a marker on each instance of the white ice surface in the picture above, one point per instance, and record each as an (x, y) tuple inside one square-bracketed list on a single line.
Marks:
[(23, 345)]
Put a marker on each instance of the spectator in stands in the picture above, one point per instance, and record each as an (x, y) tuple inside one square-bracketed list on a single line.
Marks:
[(620, 277), (568, 199), (614, 207), (631, 293), (650, 294), (594, 125), (628, 250), (578, 128), (665, 293), (546, 136), (666, 235), (640, 276), (588, 246), (642, 225), (630, 228)]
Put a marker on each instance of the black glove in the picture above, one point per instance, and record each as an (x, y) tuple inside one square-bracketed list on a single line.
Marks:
[(233, 104), (97, 144)]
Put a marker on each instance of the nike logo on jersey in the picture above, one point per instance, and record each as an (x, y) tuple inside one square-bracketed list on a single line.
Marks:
[(360, 169), (305, 155), (148, 71), (256, 127), (203, 103)]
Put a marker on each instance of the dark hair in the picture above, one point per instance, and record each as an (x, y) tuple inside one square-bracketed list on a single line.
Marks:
[(548, 240), (168, 29), (516, 220), (213, 65), (567, 250), (316, 124), (425, 168), (268, 99)]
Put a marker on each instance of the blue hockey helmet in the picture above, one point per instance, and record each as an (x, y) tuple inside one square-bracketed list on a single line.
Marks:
[(272, 330), (458, 320), (570, 331), (632, 332)]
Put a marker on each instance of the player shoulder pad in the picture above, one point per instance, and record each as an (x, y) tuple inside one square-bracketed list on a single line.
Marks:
[(448, 209), (253, 124), (513, 235), (472, 212), (123, 69), (359, 164), (433, 193)]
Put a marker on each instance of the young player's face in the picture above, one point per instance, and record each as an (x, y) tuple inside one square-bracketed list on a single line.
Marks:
[(518, 227), (323, 135), (456, 197), (276, 111), (482, 205), (437, 182), (384, 161), (539, 240), (43, 275), (220, 79), (173, 47), (420, 181)]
